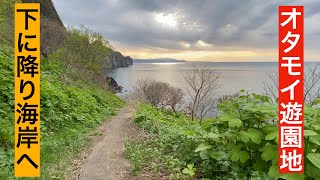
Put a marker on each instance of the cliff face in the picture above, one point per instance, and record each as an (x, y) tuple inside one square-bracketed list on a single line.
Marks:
[(53, 33), (117, 60), (47, 10)]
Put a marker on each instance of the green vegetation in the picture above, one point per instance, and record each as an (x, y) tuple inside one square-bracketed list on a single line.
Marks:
[(68, 116), (241, 143), (73, 102), (83, 53), (6, 22)]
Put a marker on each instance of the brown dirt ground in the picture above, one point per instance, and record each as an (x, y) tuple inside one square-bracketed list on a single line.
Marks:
[(104, 157)]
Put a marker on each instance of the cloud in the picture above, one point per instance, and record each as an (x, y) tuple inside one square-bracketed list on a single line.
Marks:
[(216, 25)]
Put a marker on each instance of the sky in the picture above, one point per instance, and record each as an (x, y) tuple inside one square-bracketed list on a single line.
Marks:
[(193, 30)]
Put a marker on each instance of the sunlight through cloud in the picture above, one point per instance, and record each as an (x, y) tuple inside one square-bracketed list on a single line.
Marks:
[(168, 20)]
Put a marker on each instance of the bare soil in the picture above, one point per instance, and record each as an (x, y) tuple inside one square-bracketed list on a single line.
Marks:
[(106, 158)]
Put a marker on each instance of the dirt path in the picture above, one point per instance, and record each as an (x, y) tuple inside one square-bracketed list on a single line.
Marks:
[(106, 159)]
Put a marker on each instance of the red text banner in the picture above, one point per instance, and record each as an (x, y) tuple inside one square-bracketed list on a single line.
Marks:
[(291, 89)]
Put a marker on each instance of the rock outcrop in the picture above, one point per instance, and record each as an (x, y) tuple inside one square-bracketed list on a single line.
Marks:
[(113, 85), (117, 60)]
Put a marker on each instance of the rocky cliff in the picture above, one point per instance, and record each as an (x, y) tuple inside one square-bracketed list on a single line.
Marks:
[(53, 32), (117, 60), (47, 10)]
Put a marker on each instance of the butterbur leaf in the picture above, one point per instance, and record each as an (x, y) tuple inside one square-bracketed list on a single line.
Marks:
[(315, 159), (203, 146), (244, 156), (272, 135), (309, 133)]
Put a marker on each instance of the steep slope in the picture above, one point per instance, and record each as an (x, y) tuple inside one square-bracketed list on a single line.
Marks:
[(47, 10)]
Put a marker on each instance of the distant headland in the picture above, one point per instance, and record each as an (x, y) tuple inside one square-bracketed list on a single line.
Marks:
[(158, 60)]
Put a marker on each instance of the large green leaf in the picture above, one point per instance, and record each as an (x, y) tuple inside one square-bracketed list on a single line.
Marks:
[(244, 156), (293, 176), (204, 155), (311, 170), (314, 158), (216, 155), (189, 132), (227, 117), (269, 153), (203, 146), (272, 135), (255, 135), (235, 123), (260, 165), (309, 133), (273, 172), (269, 129), (314, 140), (213, 136), (245, 136), (235, 155)]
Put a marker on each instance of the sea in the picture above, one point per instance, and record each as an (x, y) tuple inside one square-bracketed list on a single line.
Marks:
[(234, 76)]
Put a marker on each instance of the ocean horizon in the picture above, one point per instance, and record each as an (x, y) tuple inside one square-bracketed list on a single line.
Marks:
[(234, 76)]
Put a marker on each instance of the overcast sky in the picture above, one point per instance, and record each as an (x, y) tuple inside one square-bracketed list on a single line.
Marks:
[(200, 30)]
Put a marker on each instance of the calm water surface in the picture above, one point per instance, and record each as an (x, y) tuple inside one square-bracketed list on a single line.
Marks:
[(233, 75)]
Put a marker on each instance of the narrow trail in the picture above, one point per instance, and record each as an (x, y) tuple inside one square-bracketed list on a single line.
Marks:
[(106, 159)]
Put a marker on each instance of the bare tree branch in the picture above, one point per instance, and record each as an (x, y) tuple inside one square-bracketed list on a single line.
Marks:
[(201, 85)]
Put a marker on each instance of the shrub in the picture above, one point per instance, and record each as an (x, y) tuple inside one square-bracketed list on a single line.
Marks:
[(159, 94), (240, 143)]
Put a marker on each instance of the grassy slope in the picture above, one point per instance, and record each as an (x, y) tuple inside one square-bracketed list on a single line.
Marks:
[(166, 150), (69, 114)]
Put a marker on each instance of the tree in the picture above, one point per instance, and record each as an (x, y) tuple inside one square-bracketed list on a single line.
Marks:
[(202, 83), (84, 52), (174, 97), (159, 94), (311, 85)]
